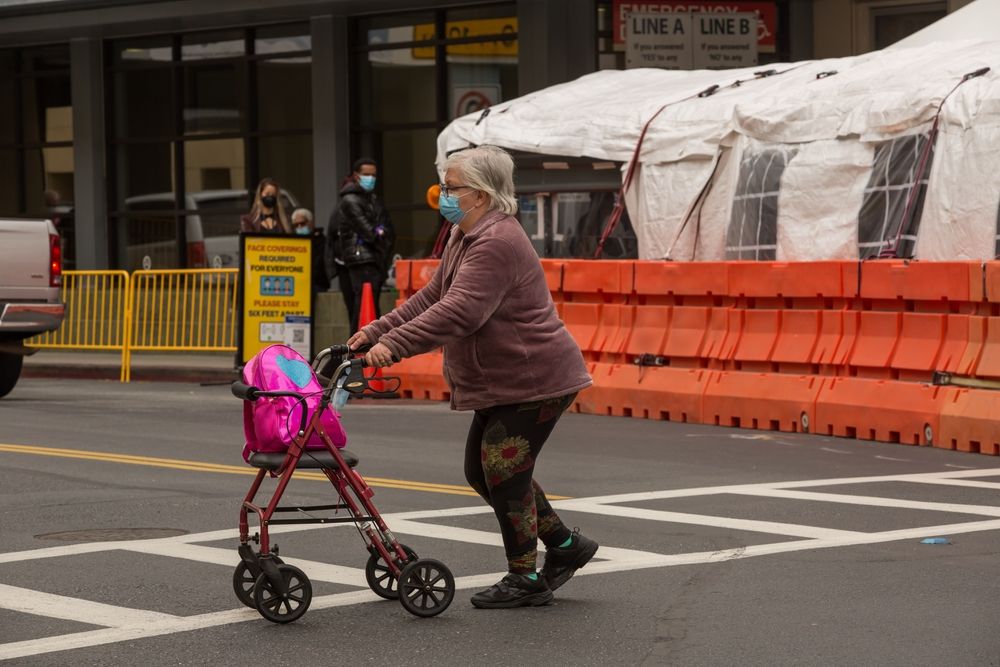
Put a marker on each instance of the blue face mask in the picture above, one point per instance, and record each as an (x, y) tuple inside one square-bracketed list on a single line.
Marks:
[(450, 208), (367, 183), (302, 231)]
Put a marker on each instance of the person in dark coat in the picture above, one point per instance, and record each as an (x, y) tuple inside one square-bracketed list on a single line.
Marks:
[(365, 236)]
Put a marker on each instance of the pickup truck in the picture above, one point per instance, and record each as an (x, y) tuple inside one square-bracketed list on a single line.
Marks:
[(30, 278)]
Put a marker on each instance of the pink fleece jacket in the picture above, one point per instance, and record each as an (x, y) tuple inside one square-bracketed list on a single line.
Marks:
[(489, 306)]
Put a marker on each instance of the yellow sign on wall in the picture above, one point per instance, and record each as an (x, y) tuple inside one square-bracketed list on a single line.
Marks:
[(472, 28), (277, 294)]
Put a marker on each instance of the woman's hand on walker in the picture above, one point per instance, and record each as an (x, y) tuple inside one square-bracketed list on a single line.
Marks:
[(379, 356), (357, 340)]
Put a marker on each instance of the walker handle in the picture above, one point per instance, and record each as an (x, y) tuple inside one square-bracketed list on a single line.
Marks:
[(245, 391)]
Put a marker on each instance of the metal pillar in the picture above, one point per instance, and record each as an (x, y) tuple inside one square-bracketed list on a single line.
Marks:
[(90, 195), (330, 96), (557, 42)]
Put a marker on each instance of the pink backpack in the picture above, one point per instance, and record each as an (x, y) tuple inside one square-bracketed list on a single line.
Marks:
[(270, 424)]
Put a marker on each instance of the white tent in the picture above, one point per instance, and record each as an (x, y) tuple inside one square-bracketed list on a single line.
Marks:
[(815, 161)]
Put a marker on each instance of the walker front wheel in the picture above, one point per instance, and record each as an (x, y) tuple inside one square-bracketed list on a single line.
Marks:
[(286, 607), (380, 577), (243, 581), (426, 587)]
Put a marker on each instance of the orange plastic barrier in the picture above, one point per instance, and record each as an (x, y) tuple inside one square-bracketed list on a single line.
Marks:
[(943, 282), (798, 333), (767, 401), (421, 377), (421, 272), (969, 422), (607, 281), (553, 269), (683, 283), (838, 348), (886, 410), (758, 339), (830, 280)]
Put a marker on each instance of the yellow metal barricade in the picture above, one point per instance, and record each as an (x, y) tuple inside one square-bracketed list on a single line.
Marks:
[(97, 315), (183, 310)]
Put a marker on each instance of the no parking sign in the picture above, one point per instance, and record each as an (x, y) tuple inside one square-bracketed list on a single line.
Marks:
[(470, 99)]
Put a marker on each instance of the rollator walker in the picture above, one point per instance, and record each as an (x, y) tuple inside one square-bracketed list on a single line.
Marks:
[(282, 592)]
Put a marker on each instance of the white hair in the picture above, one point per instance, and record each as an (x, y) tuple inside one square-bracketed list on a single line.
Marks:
[(490, 170), (305, 213)]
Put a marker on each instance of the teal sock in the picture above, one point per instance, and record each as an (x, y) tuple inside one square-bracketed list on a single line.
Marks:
[(533, 576), (569, 541)]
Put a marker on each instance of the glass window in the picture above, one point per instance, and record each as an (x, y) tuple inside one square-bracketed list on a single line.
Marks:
[(753, 227), (205, 46), (406, 170), (289, 160), (45, 59), (891, 24), (149, 234), (884, 207), (138, 51), (144, 172), (213, 165), (8, 98), (143, 103), (398, 87), (377, 30), (46, 110), (482, 80), (284, 94), (213, 98), (282, 39), (9, 190)]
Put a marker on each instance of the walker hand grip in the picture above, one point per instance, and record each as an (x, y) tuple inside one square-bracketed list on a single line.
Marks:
[(244, 391)]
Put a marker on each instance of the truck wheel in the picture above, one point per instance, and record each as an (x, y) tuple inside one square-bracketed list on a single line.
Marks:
[(10, 370)]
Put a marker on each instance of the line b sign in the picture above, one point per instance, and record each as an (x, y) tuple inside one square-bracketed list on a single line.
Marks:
[(690, 41)]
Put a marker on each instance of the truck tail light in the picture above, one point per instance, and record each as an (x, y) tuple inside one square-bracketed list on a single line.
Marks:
[(55, 261), (196, 255)]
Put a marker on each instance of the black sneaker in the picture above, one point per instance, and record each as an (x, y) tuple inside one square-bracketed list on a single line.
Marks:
[(561, 563), (514, 590)]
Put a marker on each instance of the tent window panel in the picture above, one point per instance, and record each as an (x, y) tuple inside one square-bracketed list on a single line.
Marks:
[(753, 227), (894, 175)]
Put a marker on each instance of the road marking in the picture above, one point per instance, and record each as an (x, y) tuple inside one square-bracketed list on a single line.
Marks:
[(74, 609), (770, 527), (141, 624), (875, 501), (336, 574), (205, 466)]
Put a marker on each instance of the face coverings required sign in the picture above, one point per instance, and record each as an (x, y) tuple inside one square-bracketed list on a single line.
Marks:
[(276, 287)]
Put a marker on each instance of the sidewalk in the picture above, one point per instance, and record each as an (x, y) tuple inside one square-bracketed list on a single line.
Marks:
[(146, 366)]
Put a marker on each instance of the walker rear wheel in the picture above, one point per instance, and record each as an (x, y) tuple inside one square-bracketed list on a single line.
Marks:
[(426, 587), (283, 608), (243, 581), (380, 577)]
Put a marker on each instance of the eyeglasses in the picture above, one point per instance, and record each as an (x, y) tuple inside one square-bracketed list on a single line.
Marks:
[(302, 223), (449, 190)]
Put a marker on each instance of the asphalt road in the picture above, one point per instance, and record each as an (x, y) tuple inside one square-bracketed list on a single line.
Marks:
[(719, 546)]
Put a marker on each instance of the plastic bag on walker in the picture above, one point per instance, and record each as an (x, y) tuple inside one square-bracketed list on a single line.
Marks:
[(270, 424)]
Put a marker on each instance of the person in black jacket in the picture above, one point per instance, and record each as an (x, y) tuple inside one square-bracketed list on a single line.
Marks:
[(365, 236)]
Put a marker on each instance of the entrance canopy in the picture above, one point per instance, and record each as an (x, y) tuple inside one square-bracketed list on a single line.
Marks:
[(826, 159)]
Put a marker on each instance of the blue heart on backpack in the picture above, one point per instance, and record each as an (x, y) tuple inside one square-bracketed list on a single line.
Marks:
[(295, 370)]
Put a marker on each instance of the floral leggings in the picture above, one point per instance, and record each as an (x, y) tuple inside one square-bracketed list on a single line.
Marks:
[(500, 454)]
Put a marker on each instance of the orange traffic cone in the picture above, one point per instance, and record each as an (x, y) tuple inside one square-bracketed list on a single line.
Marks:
[(365, 317)]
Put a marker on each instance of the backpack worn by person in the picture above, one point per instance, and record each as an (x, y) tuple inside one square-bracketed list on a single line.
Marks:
[(270, 424)]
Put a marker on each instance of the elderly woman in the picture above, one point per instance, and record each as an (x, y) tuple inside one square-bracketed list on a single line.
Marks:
[(507, 356)]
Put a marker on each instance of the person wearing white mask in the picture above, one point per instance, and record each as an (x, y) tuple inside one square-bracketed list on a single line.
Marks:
[(507, 356), (302, 224)]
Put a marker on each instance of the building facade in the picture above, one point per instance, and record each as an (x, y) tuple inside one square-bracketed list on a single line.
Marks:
[(143, 126)]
